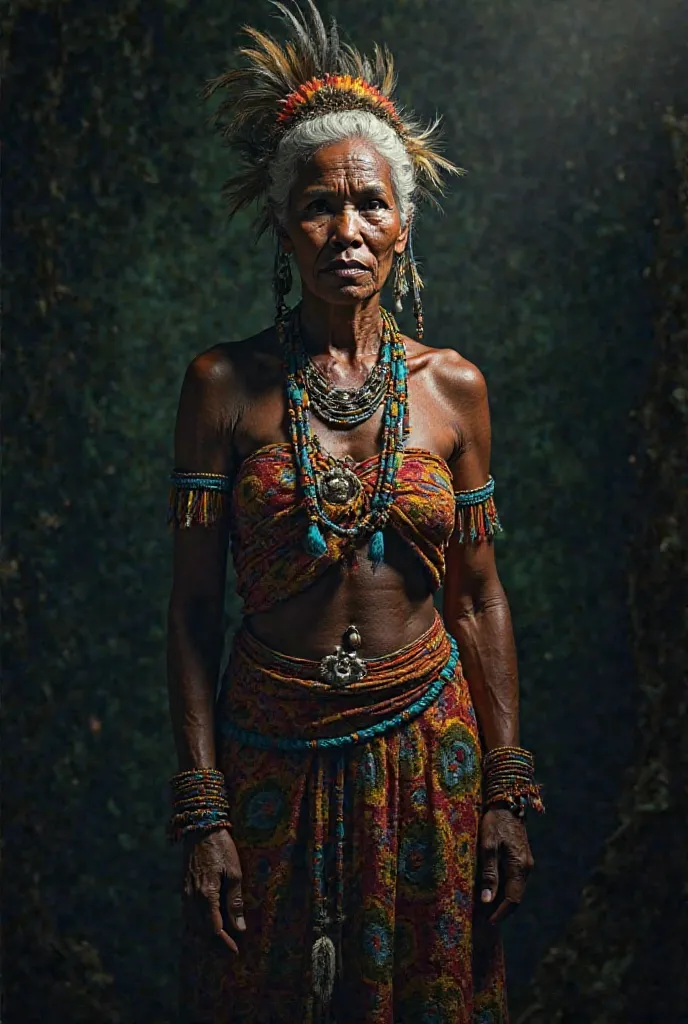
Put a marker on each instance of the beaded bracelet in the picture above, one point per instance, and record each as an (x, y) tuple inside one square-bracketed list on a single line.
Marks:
[(509, 778), (199, 802)]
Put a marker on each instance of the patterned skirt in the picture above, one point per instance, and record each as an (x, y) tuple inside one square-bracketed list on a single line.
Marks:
[(358, 850)]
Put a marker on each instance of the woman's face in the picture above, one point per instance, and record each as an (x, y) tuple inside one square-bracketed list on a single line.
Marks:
[(344, 226)]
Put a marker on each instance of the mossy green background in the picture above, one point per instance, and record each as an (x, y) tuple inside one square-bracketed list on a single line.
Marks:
[(543, 269)]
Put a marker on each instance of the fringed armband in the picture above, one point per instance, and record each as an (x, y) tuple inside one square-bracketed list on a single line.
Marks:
[(476, 515), (197, 498)]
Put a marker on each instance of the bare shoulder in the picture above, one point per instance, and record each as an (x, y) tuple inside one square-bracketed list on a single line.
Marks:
[(230, 373), (233, 363), (456, 379)]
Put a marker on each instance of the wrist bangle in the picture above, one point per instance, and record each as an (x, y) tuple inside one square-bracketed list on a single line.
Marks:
[(199, 802), (509, 779)]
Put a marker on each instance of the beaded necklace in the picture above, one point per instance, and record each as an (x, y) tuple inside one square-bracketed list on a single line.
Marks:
[(393, 357), (348, 406)]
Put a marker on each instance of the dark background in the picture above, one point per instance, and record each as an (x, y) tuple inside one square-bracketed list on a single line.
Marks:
[(559, 265)]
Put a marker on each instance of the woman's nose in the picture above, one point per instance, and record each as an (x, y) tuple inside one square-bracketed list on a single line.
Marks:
[(346, 229)]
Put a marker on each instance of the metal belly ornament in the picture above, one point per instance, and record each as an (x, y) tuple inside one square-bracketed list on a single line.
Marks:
[(344, 666)]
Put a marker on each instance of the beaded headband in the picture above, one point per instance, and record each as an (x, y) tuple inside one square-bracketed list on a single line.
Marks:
[(337, 92), (313, 73)]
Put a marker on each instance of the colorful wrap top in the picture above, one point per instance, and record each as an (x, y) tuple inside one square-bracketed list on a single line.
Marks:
[(267, 520)]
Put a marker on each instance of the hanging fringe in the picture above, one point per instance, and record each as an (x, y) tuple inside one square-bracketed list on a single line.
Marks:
[(519, 796), (401, 285), (323, 952), (339, 860), (376, 549), (315, 543), (197, 499), (324, 971), (476, 514)]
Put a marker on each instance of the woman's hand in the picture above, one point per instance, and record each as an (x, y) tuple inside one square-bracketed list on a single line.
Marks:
[(505, 860), (212, 877)]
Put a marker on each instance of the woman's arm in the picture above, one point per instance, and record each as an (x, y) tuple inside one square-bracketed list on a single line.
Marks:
[(194, 647), (476, 611)]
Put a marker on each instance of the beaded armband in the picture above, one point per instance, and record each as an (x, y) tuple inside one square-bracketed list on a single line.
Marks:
[(509, 778), (199, 802), (197, 498), (476, 515)]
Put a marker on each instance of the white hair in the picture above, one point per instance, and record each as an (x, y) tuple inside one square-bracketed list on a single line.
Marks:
[(299, 145)]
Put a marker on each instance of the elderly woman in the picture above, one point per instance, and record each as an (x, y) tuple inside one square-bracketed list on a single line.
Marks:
[(352, 800)]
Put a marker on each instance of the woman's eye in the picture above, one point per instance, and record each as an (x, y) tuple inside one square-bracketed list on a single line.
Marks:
[(317, 206)]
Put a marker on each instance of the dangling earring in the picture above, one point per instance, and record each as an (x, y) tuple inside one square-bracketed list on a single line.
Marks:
[(405, 267), (401, 287), (282, 279), (416, 285)]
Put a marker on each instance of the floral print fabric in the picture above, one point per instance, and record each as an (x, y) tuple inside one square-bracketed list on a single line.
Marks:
[(416, 946)]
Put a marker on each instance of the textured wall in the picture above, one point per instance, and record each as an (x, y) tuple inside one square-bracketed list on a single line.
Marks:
[(623, 958)]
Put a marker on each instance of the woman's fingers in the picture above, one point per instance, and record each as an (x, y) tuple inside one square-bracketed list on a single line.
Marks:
[(235, 905), (203, 909), (506, 907), (514, 889), (489, 870), (208, 903), (505, 861), (212, 884), (517, 863)]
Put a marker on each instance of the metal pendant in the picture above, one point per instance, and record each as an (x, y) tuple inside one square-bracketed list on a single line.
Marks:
[(339, 485), (344, 666)]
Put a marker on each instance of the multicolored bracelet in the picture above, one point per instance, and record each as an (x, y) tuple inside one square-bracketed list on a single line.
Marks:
[(509, 778), (199, 802)]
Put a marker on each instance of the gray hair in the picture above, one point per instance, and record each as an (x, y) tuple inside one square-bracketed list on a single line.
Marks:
[(299, 145)]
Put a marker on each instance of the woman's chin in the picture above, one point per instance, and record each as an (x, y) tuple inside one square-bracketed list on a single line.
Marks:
[(341, 291)]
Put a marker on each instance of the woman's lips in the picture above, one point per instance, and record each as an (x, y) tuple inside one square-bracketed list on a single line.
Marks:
[(352, 271)]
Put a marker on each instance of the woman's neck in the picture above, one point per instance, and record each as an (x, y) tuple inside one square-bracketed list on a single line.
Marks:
[(347, 333)]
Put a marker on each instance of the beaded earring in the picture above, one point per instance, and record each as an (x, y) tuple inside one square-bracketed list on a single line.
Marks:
[(405, 267), (416, 285), (400, 287), (282, 278)]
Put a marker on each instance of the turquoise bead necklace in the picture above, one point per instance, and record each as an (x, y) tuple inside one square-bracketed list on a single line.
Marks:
[(372, 523)]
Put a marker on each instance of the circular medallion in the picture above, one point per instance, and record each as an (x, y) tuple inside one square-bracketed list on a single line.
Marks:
[(339, 486), (342, 668)]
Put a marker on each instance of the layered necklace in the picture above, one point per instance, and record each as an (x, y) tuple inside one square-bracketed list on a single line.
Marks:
[(315, 487), (346, 407)]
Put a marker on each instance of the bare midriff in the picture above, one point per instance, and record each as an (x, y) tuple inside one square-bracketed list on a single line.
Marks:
[(391, 606)]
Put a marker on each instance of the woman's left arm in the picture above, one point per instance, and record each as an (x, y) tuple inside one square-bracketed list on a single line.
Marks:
[(476, 613)]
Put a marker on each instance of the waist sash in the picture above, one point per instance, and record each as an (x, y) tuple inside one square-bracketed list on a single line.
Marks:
[(272, 701)]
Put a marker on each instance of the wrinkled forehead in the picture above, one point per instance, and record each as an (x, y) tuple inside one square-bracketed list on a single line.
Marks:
[(351, 165)]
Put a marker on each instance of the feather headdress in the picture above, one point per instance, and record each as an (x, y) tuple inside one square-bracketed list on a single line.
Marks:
[(313, 72)]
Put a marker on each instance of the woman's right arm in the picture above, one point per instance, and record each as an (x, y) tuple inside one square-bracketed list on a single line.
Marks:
[(194, 649), (203, 438)]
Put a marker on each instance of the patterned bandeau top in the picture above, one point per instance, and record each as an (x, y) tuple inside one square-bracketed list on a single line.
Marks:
[(268, 521)]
